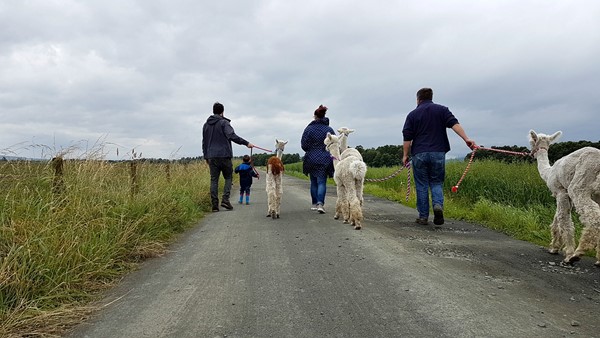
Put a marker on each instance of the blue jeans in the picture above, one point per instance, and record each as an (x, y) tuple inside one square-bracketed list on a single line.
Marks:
[(318, 188), (429, 170)]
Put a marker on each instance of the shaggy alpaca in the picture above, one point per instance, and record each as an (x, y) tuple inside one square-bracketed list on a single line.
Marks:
[(574, 180), (343, 139), (274, 186), (349, 178)]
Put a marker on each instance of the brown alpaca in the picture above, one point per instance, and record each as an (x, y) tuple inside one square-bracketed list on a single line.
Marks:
[(274, 187)]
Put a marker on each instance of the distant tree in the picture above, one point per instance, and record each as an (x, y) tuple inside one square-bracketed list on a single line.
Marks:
[(384, 156)]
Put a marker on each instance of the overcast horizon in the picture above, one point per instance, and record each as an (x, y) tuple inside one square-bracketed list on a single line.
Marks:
[(112, 77)]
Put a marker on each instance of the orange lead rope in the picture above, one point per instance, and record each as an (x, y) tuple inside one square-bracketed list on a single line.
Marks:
[(455, 188)]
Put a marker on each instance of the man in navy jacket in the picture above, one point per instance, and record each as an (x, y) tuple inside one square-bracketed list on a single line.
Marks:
[(426, 140), (217, 135)]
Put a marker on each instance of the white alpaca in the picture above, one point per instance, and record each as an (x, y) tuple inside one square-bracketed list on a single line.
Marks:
[(274, 186), (574, 180), (344, 149), (349, 178)]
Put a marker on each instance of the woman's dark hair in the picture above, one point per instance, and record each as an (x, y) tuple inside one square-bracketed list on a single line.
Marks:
[(320, 112), (425, 94)]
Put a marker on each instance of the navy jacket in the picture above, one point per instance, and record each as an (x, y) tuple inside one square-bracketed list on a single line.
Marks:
[(246, 173), (317, 160), (217, 135), (426, 128)]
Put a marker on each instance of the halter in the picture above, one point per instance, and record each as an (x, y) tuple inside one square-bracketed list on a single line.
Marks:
[(536, 149)]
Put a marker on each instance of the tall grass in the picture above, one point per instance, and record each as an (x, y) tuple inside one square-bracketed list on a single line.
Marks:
[(58, 248)]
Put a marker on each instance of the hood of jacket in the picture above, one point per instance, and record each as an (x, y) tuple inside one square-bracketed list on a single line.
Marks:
[(215, 118)]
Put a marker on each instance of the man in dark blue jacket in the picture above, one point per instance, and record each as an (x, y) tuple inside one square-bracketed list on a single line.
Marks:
[(425, 138), (217, 135)]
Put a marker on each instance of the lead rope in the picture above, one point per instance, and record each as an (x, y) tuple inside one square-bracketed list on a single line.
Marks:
[(407, 166), (455, 188), (252, 165)]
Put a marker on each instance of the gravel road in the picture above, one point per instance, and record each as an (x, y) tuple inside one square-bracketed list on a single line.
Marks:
[(241, 274)]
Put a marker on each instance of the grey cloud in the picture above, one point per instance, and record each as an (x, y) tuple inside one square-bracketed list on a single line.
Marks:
[(144, 74)]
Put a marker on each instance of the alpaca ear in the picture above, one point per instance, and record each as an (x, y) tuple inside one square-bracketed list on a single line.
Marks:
[(554, 137), (533, 136), (285, 142)]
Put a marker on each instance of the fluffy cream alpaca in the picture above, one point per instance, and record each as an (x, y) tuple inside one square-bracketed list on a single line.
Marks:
[(574, 180), (273, 180), (349, 178)]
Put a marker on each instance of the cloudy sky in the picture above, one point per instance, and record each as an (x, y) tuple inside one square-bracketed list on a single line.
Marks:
[(95, 76)]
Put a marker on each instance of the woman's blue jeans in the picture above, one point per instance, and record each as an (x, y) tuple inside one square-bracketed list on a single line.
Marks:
[(318, 188), (429, 170)]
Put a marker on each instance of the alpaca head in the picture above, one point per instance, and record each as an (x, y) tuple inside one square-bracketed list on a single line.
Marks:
[(542, 141), (345, 131), (280, 145), (331, 141)]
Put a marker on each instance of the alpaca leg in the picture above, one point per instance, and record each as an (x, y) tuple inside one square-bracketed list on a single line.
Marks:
[(359, 189), (346, 211), (338, 203), (344, 204), (590, 240), (562, 226), (589, 214), (269, 189), (279, 193), (356, 213), (277, 205), (273, 206), (270, 203), (352, 200)]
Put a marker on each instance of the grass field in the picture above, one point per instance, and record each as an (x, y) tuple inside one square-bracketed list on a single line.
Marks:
[(59, 244), (65, 237)]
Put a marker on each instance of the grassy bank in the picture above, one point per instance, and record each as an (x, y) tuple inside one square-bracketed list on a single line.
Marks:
[(64, 237)]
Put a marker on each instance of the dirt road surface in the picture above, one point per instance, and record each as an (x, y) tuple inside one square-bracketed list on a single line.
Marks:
[(241, 274)]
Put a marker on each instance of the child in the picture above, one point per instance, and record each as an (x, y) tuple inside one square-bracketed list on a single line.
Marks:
[(246, 173)]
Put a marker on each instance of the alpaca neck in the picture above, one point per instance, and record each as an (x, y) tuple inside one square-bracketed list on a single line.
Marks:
[(334, 150), (343, 142), (543, 163)]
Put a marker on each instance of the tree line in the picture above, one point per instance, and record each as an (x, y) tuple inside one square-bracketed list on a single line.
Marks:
[(391, 155)]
